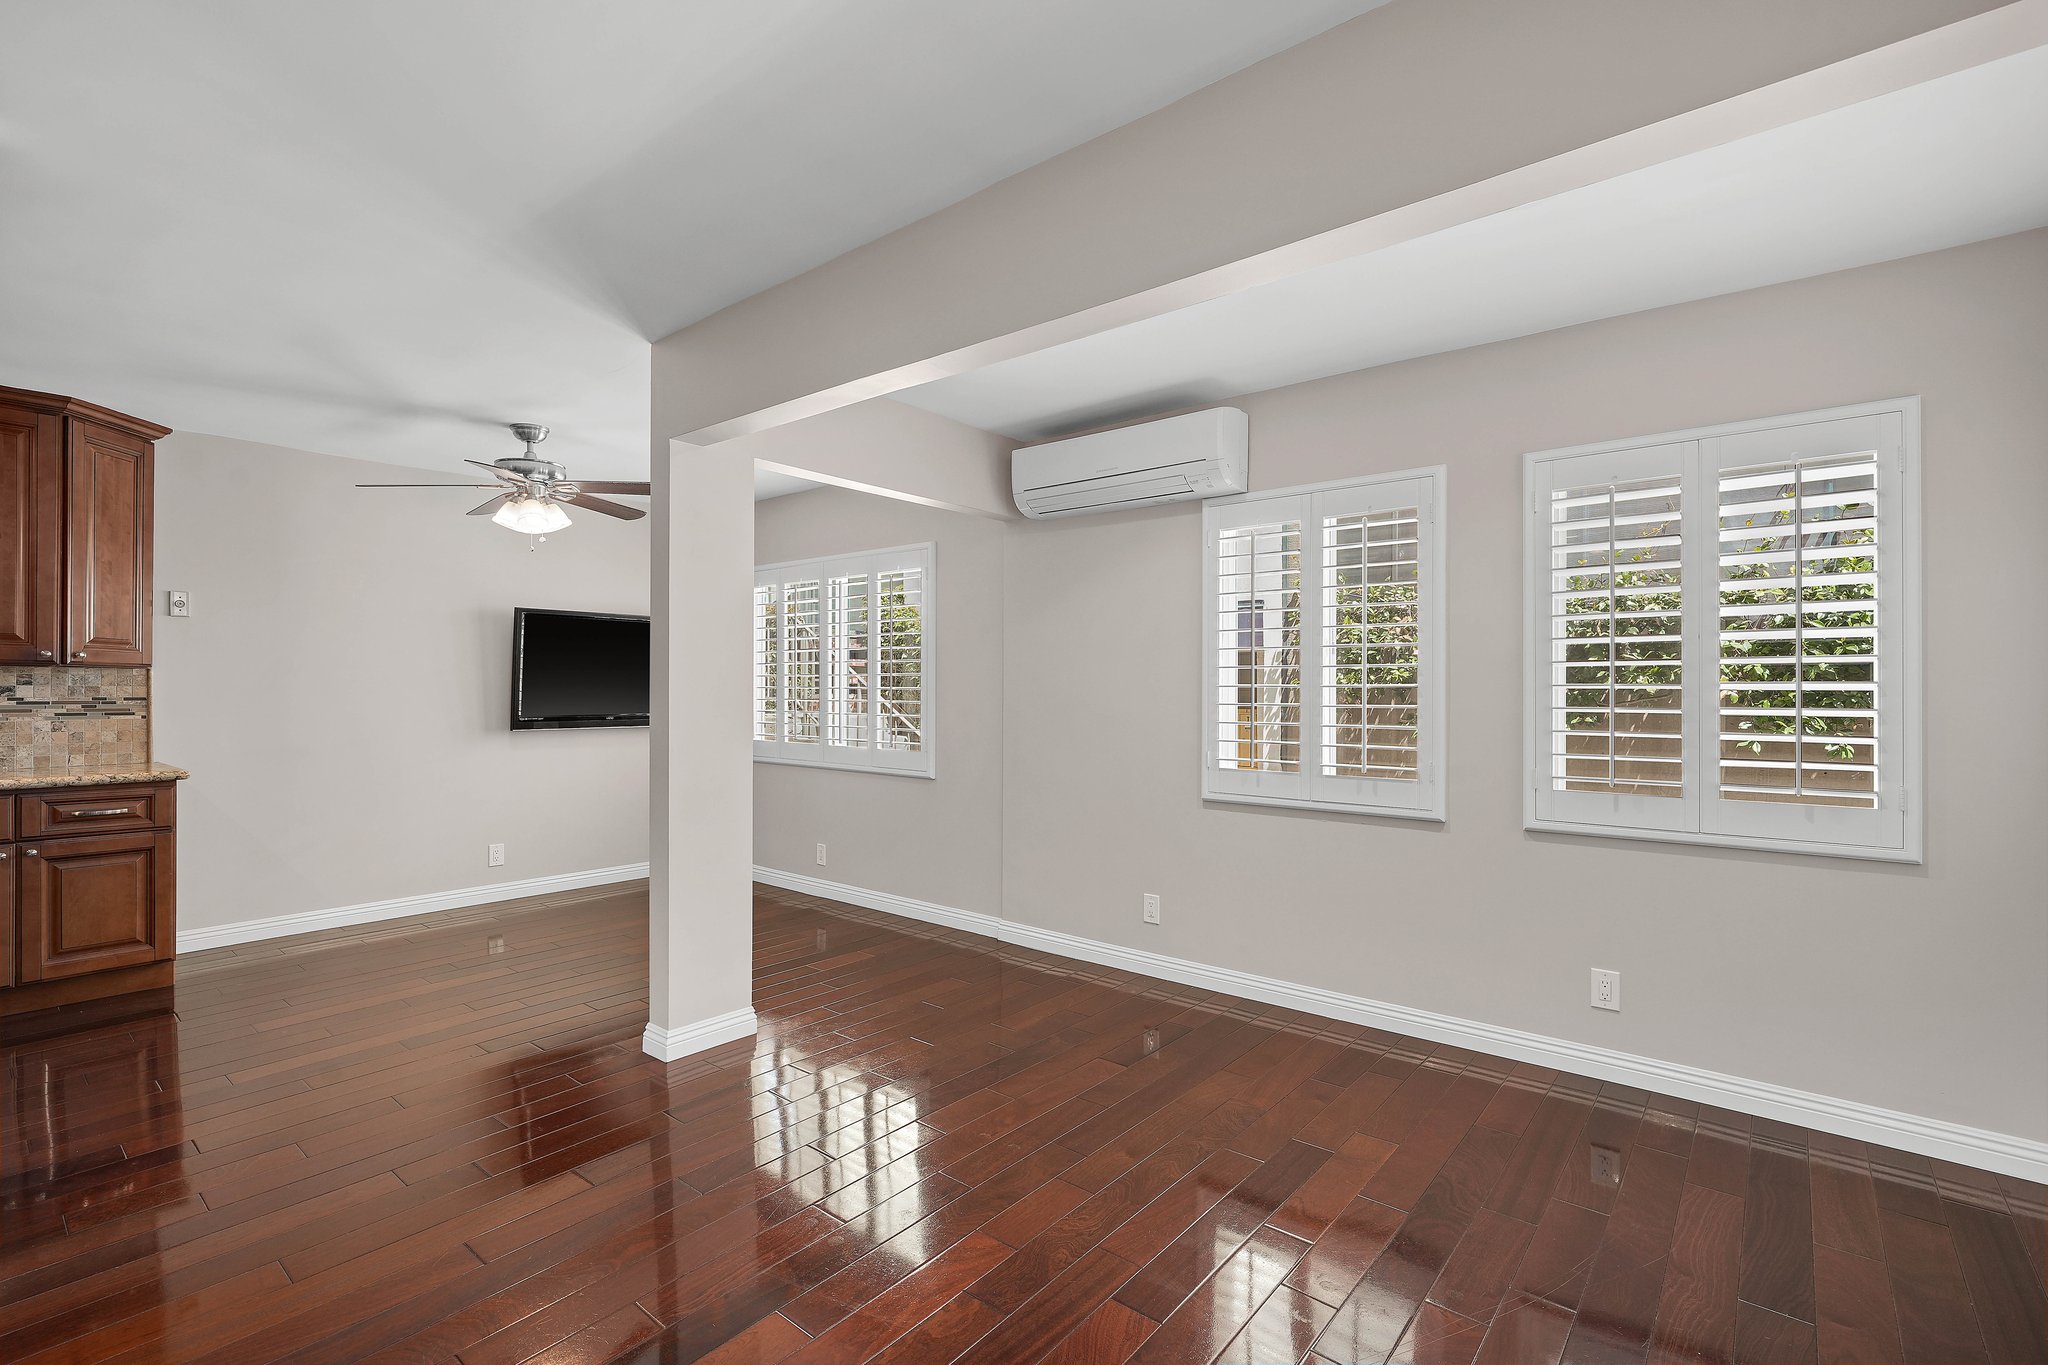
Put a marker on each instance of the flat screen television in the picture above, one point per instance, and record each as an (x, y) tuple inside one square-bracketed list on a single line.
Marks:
[(578, 669)]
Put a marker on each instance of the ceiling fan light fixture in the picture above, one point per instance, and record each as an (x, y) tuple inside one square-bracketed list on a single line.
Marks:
[(531, 516)]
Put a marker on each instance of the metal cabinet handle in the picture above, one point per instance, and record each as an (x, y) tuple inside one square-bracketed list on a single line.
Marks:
[(79, 655), (3, 855), (95, 814), (47, 654), (28, 853)]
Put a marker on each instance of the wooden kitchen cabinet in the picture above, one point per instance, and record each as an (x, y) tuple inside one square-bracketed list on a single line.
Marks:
[(88, 892), (31, 535), (9, 967), (77, 524), (93, 903)]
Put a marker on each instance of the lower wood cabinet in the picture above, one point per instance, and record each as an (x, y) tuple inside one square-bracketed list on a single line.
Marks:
[(88, 894), (7, 915), (93, 903)]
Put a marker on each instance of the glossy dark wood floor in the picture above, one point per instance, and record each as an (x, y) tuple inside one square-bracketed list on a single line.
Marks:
[(437, 1140)]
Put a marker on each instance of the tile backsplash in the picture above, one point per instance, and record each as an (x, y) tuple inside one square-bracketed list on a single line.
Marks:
[(56, 718)]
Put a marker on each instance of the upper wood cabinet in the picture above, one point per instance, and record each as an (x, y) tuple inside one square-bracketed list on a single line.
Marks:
[(31, 535), (77, 521)]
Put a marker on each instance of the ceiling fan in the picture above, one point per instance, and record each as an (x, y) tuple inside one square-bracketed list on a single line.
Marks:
[(531, 491)]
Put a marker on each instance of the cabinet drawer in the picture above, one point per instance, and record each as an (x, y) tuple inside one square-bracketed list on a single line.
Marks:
[(91, 904), (96, 810)]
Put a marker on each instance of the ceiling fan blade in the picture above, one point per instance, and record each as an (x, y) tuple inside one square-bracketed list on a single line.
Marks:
[(496, 472), (606, 506), (635, 490), (426, 485), (487, 508)]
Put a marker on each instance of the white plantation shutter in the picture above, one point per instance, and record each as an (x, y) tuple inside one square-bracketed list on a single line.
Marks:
[(1610, 589), (1255, 636), (1323, 647), (767, 662), (842, 666), (1808, 715), (899, 665), (1722, 633)]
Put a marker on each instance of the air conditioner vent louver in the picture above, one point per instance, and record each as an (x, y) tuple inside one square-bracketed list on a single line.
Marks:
[(1195, 455)]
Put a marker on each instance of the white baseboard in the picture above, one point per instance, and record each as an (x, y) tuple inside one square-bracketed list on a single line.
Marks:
[(674, 1044), (306, 921), (1956, 1142)]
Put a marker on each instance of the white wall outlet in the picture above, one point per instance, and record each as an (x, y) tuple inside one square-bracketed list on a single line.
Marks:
[(1606, 989), (1151, 908), (1606, 1167), (496, 855), (180, 602), (821, 855)]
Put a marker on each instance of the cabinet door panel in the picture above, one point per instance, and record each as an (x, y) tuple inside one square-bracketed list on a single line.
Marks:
[(110, 527), (31, 535), (91, 904), (8, 858)]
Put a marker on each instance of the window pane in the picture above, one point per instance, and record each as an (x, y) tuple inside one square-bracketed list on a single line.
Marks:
[(899, 664), (768, 662), (1372, 647), (1258, 647), (846, 662), (1798, 632), (1617, 639), (803, 661)]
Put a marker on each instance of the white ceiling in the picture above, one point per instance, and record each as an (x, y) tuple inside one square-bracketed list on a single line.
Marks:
[(383, 228), (1949, 161)]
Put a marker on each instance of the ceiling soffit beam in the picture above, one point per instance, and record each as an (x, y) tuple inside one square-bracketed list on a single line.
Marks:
[(1957, 47)]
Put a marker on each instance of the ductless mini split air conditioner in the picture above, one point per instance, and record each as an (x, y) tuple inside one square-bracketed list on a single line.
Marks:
[(1195, 455)]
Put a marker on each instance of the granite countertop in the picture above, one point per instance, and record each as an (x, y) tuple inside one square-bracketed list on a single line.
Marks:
[(91, 777)]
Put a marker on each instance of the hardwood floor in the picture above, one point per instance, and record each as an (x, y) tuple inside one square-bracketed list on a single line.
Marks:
[(436, 1140)]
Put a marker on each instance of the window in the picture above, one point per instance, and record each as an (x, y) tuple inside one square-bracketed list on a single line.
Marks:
[(1323, 647), (1724, 635), (842, 662)]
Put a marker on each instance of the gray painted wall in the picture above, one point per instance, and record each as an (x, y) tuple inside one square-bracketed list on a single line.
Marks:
[(936, 839), (340, 690), (1915, 988)]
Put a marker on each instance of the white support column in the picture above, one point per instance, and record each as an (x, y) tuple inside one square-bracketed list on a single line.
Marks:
[(700, 902)]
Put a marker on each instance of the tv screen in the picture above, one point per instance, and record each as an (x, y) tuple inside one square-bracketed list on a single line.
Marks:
[(575, 669)]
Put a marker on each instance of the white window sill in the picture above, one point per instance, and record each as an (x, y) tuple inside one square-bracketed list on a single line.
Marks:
[(1435, 815), (831, 766), (1804, 847)]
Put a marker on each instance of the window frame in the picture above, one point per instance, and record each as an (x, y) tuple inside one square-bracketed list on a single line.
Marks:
[(864, 757), (1892, 831), (1424, 489)]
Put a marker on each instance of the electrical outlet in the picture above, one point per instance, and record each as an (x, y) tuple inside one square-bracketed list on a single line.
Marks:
[(180, 602), (1606, 989), (821, 855), (496, 855), (1606, 1167), (1151, 908), (1151, 1043)]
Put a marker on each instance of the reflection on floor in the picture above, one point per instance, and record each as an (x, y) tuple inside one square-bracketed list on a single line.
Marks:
[(436, 1140)]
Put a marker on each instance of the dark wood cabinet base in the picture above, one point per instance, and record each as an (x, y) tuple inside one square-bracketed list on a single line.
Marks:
[(35, 996), (43, 995)]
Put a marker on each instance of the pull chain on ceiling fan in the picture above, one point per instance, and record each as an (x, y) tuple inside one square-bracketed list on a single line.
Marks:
[(531, 492)]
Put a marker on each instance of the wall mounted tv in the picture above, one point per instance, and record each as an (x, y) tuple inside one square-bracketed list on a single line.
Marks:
[(578, 669)]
